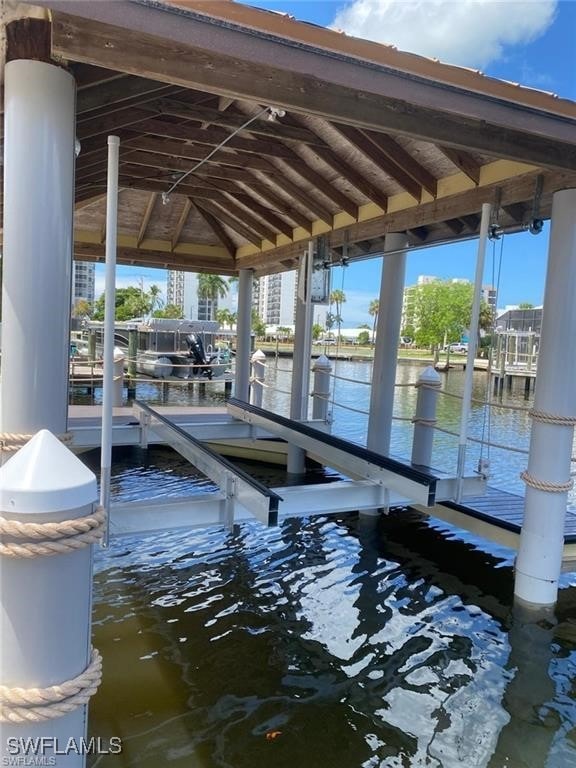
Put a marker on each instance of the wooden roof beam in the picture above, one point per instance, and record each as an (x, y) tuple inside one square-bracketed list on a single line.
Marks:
[(303, 197), (217, 229), (146, 218), (354, 177), (463, 161), (252, 181), (321, 184), (261, 127), (454, 225), (399, 156), (472, 221), (270, 217), (111, 123), (361, 142), (119, 90), (373, 97), (516, 211), (155, 258), (230, 221), (181, 223)]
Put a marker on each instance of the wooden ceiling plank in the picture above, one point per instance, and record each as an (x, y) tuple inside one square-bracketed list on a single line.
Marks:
[(217, 229), (463, 161), (82, 202), (321, 184), (373, 98), (269, 216), (181, 223), (398, 155), (170, 162), (354, 177), (272, 129), (305, 199), (361, 142), (118, 90), (266, 232), (229, 220), (146, 218)]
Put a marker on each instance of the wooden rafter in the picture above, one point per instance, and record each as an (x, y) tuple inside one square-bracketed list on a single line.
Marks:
[(267, 215), (304, 198), (118, 91), (265, 191), (354, 177), (229, 220), (361, 141), (260, 127), (463, 161), (454, 225), (217, 229), (516, 211), (111, 123), (145, 257), (471, 220), (146, 218), (224, 102), (399, 156), (181, 223)]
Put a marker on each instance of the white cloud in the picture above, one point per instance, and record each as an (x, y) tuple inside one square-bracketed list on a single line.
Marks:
[(471, 33)]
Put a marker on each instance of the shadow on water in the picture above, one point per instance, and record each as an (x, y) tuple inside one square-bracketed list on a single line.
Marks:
[(345, 642)]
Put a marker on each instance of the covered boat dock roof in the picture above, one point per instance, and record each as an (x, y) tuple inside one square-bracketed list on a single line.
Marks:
[(364, 140)]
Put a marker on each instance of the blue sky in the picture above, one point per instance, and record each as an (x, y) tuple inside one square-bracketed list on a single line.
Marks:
[(532, 42)]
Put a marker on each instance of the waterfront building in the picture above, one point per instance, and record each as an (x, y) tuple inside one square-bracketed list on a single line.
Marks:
[(182, 290), (83, 273)]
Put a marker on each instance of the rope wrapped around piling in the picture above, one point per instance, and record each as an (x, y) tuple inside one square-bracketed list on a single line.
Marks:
[(13, 441), (51, 538), (544, 485), (32, 705), (552, 418)]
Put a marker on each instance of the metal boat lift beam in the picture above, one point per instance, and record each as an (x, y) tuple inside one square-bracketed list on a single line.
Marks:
[(237, 486), (354, 461)]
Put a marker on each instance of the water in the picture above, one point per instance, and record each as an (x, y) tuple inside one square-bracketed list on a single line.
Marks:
[(329, 642)]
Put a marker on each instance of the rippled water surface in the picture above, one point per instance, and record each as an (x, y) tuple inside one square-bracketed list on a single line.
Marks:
[(340, 642)]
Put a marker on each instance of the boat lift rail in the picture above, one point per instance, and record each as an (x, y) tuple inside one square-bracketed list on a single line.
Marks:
[(412, 483), (237, 486)]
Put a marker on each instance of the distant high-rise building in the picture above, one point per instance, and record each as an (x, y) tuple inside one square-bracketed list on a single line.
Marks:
[(83, 273), (182, 290), (489, 296)]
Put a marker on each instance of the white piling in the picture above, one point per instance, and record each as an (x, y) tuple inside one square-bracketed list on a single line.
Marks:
[(539, 560), (118, 396), (258, 361), (39, 120), (428, 385), (109, 321), (322, 369), (45, 601), (243, 335)]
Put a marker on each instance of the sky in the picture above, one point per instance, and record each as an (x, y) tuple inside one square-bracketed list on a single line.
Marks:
[(532, 42)]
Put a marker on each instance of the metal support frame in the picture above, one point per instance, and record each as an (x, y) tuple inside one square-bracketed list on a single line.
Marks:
[(357, 462), (236, 485)]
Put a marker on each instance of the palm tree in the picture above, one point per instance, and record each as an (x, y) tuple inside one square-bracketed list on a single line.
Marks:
[(373, 311), (210, 289), (338, 298), (155, 301)]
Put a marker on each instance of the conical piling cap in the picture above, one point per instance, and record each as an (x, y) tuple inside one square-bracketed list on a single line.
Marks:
[(45, 476)]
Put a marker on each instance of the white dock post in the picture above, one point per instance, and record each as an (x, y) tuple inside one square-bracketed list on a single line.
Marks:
[(45, 601), (428, 385), (39, 142), (243, 335), (386, 349), (539, 560), (321, 395), (301, 358), (118, 396), (258, 361)]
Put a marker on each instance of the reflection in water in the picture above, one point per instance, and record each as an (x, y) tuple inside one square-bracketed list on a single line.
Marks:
[(353, 642), (344, 642)]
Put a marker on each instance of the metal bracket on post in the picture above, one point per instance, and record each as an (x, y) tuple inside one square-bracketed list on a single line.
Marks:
[(144, 419), (228, 502)]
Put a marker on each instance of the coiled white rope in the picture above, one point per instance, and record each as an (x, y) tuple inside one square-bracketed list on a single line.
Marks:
[(32, 705), (13, 441)]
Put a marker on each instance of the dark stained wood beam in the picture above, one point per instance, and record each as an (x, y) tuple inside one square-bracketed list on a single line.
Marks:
[(304, 80), (230, 221), (153, 258), (262, 127), (463, 161), (218, 230), (181, 223), (117, 91), (419, 233), (111, 123), (146, 218), (399, 156), (354, 177), (28, 38), (472, 221), (516, 211), (454, 225), (87, 76), (361, 142), (84, 202)]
